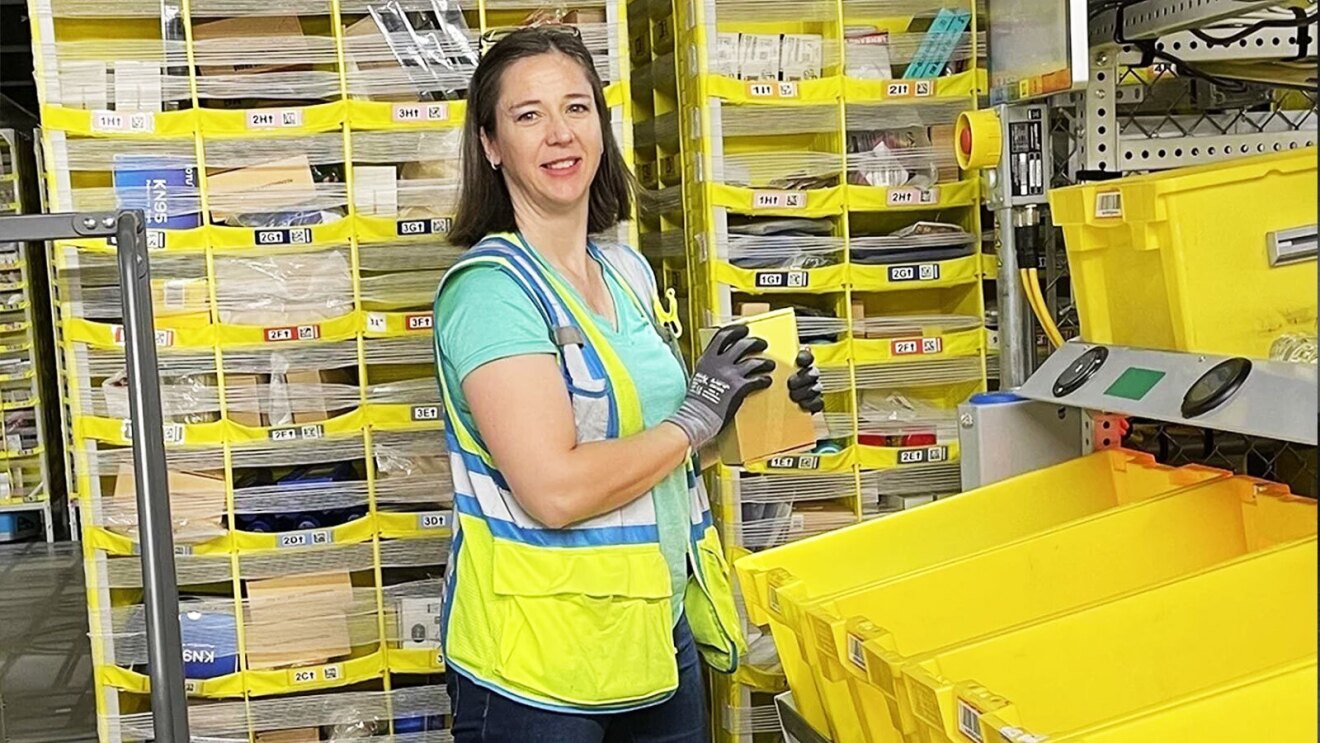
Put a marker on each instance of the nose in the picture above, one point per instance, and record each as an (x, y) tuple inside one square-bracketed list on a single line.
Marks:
[(558, 132)]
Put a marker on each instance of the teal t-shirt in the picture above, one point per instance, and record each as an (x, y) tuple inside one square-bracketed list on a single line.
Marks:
[(484, 315)]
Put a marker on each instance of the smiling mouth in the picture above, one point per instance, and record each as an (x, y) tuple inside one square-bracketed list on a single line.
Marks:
[(564, 164)]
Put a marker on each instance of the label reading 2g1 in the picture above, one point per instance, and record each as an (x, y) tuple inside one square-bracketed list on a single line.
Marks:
[(915, 272), (782, 279), (413, 227), (292, 236)]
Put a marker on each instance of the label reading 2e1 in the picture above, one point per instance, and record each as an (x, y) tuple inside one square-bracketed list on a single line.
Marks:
[(782, 279), (437, 226), (923, 455), (296, 236), (297, 433), (917, 272)]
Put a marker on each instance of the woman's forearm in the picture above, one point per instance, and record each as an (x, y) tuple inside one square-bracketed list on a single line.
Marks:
[(601, 476)]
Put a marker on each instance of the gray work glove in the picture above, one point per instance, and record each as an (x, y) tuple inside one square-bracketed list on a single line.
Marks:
[(804, 386), (727, 372)]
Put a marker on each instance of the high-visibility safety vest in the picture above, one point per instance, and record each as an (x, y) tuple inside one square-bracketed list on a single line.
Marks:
[(580, 618)]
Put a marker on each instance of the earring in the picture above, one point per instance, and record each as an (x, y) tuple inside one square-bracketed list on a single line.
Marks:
[(494, 165)]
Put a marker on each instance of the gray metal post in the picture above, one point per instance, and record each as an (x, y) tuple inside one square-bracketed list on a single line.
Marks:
[(1013, 340), (169, 702)]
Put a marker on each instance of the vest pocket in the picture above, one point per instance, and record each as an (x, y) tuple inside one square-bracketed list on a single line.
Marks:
[(587, 627)]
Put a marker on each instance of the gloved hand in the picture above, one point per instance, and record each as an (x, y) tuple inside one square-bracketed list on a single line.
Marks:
[(727, 372), (804, 386)]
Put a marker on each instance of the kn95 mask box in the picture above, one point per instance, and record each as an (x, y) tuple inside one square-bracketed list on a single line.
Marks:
[(769, 422)]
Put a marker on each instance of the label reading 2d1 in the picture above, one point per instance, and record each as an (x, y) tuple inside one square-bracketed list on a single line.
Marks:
[(923, 455), (412, 227), (782, 279), (915, 272), (306, 538), (294, 236)]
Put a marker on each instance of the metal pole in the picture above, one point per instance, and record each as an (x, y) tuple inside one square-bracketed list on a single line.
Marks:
[(1013, 340), (169, 703)]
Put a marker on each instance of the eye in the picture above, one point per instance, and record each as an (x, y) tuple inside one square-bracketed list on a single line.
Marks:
[(579, 108), (526, 116)]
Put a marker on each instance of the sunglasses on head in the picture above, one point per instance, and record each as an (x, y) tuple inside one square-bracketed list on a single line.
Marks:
[(494, 35)]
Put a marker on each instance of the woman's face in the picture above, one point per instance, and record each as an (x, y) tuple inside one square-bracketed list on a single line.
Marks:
[(547, 136)]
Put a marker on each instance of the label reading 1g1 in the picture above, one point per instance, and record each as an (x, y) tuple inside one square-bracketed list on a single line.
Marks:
[(782, 279), (917, 272)]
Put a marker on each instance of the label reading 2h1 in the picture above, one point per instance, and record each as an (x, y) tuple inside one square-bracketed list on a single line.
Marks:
[(412, 227), (916, 272)]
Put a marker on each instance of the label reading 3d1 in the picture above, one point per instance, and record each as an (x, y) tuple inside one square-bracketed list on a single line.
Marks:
[(782, 279), (923, 455), (433, 520), (916, 346), (292, 333), (779, 200), (412, 227), (916, 272)]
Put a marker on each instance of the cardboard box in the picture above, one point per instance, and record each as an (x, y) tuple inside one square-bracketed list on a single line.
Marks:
[(748, 309), (368, 49), (270, 187), (298, 620), (585, 15), (308, 399), (292, 735), (253, 388), (197, 501), (228, 36), (769, 423)]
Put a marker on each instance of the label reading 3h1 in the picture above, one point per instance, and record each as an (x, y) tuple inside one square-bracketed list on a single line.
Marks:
[(782, 279), (917, 272)]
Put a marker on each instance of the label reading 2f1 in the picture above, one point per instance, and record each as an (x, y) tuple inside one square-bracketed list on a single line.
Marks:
[(296, 236), (916, 346), (297, 433), (292, 333), (411, 227), (782, 279), (916, 272), (924, 455)]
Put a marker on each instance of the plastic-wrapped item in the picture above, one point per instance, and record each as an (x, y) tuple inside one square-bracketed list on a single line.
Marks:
[(1294, 347), (188, 398), (431, 47), (920, 241), (784, 243), (284, 289), (897, 157)]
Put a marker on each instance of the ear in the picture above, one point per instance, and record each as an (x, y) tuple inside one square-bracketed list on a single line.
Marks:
[(491, 149)]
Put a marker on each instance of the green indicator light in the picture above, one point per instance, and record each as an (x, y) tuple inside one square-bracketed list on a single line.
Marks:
[(1134, 383)]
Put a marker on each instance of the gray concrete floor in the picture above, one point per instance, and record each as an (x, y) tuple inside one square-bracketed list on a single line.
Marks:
[(45, 657)]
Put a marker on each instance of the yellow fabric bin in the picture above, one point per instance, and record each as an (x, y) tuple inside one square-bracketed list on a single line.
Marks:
[(1179, 260), (1123, 656), (864, 638), (779, 584)]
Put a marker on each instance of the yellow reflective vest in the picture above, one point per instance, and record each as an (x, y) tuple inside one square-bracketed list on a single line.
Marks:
[(575, 619)]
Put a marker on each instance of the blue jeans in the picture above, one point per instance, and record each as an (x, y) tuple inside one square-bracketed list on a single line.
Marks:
[(483, 716)]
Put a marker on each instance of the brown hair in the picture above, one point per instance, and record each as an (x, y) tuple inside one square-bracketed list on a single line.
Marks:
[(483, 203)]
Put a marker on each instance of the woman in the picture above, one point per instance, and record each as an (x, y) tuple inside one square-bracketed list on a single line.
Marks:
[(585, 573)]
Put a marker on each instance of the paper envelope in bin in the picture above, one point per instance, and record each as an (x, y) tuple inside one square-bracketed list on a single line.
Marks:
[(298, 620)]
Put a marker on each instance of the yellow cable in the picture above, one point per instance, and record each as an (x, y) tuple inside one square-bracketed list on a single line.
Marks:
[(1038, 307), (1048, 318)]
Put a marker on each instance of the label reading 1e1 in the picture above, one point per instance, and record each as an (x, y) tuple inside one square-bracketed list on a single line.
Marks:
[(917, 272), (411, 227), (294, 236), (782, 279), (802, 462)]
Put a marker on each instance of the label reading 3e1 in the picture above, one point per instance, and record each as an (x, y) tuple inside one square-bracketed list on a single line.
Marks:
[(425, 413), (918, 272), (782, 279)]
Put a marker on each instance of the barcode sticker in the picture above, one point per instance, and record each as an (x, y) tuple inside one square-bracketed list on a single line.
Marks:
[(772, 598), (969, 721), (1109, 205), (176, 293), (855, 653), (377, 322), (923, 88), (799, 522)]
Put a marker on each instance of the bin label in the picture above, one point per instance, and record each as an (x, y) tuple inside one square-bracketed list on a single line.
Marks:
[(425, 413), (294, 236), (782, 279), (115, 122), (915, 272), (799, 462), (912, 196), (297, 433), (306, 538), (412, 113), (433, 520), (1109, 205), (413, 227), (969, 721), (898, 89), (772, 89), (855, 653), (916, 346), (779, 200), (292, 333), (923, 455), (420, 321), (289, 118), (377, 323)]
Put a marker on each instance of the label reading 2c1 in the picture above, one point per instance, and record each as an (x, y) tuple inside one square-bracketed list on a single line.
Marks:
[(413, 227), (782, 279), (915, 272)]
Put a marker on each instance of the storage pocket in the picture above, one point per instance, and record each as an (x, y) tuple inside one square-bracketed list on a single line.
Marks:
[(585, 627)]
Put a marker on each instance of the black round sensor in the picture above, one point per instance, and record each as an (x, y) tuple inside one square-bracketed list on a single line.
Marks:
[(1080, 371), (1215, 387)]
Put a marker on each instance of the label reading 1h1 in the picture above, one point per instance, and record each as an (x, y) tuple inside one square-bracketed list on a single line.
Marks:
[(1026, 147)]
